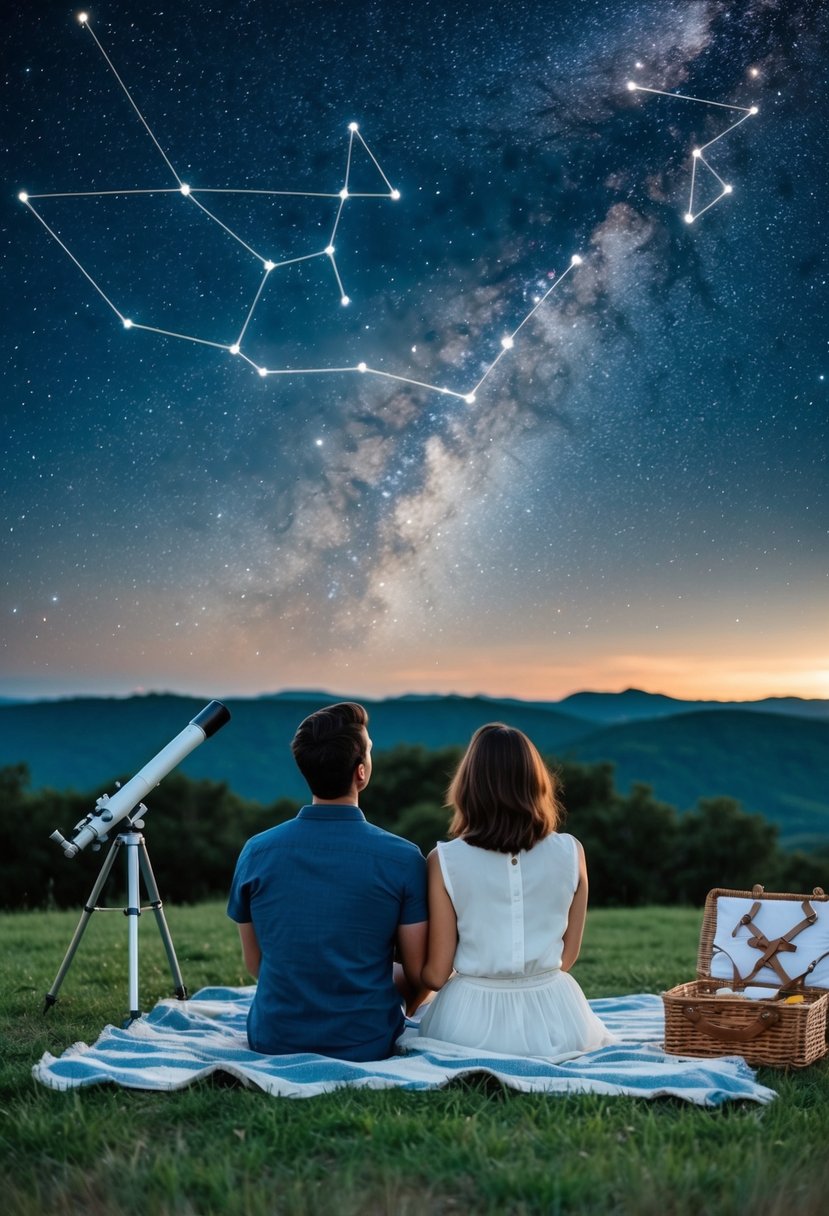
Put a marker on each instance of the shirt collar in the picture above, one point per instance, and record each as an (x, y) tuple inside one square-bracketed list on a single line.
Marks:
[(333, 814)]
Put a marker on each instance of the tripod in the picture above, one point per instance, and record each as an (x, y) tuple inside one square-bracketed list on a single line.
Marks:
[(138, 865)]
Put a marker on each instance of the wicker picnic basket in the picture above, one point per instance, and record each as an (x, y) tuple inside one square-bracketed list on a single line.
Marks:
[(762, 987)]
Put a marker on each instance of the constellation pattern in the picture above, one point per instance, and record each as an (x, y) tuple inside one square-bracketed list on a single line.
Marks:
[(194, 194), (698, 154)]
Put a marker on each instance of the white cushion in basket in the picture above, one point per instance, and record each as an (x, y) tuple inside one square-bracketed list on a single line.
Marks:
[(774, 918)]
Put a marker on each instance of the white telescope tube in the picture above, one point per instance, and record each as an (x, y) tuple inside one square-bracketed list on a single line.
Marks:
[(109, 811)]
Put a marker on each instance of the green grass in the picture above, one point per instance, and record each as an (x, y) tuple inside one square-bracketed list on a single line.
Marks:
[(475, 1147)]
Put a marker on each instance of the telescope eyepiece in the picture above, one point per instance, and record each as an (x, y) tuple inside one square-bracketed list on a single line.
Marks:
[(70, 849)]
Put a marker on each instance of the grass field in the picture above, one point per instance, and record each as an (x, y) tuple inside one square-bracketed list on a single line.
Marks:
[(218, 1148)]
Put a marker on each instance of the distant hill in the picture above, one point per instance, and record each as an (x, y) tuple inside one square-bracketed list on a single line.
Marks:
[(775, 764), (634, 705)]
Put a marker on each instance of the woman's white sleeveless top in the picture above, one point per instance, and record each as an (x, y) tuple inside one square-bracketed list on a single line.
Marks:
[(512, 909)]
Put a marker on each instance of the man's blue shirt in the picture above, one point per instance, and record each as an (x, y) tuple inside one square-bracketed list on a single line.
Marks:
[(325, 893)]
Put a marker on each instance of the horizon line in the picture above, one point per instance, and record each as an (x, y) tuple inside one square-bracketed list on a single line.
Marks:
[(330, 696)]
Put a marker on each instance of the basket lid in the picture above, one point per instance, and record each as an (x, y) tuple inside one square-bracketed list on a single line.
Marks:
[(773, 939)]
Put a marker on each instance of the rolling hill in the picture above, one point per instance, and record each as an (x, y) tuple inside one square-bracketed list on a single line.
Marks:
[(774, 764)]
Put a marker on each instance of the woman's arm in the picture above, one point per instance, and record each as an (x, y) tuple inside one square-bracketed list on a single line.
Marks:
[(575, 921), (443, 928), (411, 950), (251, 951)]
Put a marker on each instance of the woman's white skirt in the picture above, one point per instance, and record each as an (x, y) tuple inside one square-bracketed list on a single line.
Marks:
[(535, 1015)]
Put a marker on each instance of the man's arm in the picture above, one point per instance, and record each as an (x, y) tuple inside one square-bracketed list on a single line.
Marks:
[(411, 949), (251, 950), (443, 928)]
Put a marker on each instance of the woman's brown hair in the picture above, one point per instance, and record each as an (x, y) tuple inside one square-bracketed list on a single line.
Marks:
[(503, 794)]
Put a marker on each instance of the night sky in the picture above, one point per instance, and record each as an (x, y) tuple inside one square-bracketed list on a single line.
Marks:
[(636, 496)]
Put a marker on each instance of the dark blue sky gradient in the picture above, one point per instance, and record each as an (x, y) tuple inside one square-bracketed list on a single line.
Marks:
[(638, 494)]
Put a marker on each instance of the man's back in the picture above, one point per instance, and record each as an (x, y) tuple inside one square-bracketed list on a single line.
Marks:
[(326, 893)]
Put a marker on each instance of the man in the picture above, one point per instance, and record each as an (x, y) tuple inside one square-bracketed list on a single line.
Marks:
[(324, 901)]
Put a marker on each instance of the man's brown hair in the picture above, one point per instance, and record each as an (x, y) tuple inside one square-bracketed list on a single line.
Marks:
[(328, 746), (503, 794)]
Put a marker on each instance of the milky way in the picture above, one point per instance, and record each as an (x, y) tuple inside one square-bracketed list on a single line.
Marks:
[(637, 493)]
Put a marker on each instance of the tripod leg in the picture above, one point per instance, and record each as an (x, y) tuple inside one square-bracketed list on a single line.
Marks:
[(158, 908), (89, 908), (132, 912)]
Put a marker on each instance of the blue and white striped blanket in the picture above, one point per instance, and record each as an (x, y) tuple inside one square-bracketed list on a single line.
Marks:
[(180, 1042)]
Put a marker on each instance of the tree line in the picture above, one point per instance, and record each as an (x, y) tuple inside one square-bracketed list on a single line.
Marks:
[(639, 850)]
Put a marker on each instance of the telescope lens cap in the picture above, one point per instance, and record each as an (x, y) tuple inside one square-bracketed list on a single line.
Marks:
[(212, 718)]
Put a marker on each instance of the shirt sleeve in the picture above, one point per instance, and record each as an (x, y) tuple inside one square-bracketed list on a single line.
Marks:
[(238, 904), (414, 908)]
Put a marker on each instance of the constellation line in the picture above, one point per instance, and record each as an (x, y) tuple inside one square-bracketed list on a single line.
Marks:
[(643, 88), (238, 341), (24, 199), (229, 231), (93, 193), (84, 21), (169, 333)]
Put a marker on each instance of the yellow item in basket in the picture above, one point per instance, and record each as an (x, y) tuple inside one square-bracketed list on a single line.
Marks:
[(793, 1000)]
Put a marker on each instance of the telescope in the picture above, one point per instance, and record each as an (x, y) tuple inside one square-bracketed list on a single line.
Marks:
[(125, 807), (109, 811)]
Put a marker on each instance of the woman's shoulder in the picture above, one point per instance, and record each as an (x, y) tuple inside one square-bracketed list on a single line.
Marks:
[(461, 855), (456, 849), (562, 842)]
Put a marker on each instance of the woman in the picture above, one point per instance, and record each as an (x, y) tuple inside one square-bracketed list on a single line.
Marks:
[(507, 903)]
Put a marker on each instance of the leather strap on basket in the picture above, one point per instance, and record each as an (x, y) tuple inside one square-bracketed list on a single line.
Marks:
[(732, 1034), (798, 982), (778, 945)]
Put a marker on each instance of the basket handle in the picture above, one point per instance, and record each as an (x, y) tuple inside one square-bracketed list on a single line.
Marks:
[(732, 1034)]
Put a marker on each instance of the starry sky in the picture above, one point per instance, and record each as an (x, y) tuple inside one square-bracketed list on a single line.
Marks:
[(637, 494)]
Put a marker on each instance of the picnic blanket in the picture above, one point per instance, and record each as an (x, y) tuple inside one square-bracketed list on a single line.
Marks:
[(180, 1042)]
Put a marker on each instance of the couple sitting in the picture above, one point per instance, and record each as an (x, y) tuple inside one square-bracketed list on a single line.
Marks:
[(326, 901)]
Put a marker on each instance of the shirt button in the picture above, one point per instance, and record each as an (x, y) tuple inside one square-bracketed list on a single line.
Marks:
[(515, 861)]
